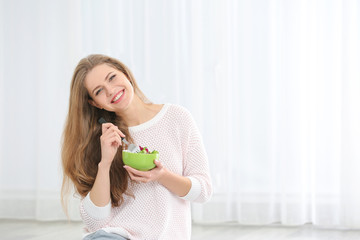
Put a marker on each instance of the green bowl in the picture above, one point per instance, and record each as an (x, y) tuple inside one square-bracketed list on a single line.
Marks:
[(140, 161)]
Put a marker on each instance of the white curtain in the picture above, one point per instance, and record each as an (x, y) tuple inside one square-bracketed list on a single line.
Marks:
[(273, 85)]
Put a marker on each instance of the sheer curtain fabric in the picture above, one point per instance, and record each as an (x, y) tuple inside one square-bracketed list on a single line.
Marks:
[(273, 85)]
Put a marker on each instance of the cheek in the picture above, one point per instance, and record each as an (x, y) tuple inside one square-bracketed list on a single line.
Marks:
[(130, 93), (131, 89), (100, 101), (97, 104)]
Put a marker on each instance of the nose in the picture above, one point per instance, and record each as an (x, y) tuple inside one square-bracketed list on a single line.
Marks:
[(109, 91)]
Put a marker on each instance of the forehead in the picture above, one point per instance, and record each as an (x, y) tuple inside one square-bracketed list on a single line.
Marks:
[(97, 75)]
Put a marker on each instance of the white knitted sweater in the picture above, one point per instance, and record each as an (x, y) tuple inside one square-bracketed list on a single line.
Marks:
[(155, 212)]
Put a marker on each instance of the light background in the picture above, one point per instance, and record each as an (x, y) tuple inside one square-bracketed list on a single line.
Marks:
[(273, 85)]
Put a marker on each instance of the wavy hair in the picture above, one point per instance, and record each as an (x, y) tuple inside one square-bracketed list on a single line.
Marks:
[(81, 151)]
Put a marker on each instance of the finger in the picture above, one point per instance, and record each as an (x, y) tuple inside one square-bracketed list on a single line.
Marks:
[(109, 135), (114, 141), (109, 127), (134, 177), (142, 174), (117, 130), (105, 127), (158, 164), (139, 179), (111, 131), (120, 133), (116, 135)]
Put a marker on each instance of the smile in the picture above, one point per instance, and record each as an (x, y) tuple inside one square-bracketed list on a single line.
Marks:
[(117, 97)]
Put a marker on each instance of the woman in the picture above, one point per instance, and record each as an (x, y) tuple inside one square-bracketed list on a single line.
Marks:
[(119, 202)]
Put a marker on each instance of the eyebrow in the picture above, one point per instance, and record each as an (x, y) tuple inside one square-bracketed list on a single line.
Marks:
[(104, 80)]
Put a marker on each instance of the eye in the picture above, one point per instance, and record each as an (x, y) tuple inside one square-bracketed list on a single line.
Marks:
[(112, 77), (98, 91)]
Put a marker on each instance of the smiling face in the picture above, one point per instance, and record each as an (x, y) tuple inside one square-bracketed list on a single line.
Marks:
[(109, 88)]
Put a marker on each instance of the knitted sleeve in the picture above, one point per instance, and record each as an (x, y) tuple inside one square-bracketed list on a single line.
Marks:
[(94, 217), (196, 166)]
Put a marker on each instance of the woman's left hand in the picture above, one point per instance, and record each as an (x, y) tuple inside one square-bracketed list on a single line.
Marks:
[(146, 176)]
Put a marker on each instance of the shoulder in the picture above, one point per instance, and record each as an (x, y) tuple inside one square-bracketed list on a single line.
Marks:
[(177, 110), (179, 115)]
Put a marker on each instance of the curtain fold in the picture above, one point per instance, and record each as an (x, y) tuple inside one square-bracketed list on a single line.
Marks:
[(273, 85)]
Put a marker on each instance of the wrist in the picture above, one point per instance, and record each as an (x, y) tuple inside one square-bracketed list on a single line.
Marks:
[(104, 165), (164, 175)]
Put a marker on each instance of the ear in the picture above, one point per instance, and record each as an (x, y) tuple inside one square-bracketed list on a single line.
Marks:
[(93, 103)]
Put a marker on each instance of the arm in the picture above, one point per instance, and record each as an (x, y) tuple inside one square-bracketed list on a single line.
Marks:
[(196, 168), (194, 184), (175, 183), (95, 208), (110, 141), (195, 160), (100, 192)]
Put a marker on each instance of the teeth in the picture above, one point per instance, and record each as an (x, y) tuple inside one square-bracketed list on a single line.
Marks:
[(118, 96)]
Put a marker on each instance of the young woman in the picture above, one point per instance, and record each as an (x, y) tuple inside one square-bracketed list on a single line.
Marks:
[(119, 202)]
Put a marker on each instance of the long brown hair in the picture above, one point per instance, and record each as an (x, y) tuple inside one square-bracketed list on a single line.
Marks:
[(81, 151)]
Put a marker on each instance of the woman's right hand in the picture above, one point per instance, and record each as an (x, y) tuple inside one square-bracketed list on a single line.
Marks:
[(110, 141)]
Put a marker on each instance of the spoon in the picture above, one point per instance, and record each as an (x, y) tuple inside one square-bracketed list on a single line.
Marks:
[(131, 147)]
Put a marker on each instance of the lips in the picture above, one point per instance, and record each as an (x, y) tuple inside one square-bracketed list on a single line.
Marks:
[(117, 97)]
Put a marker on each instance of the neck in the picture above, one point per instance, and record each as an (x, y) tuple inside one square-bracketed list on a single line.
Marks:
[(137, 112)]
